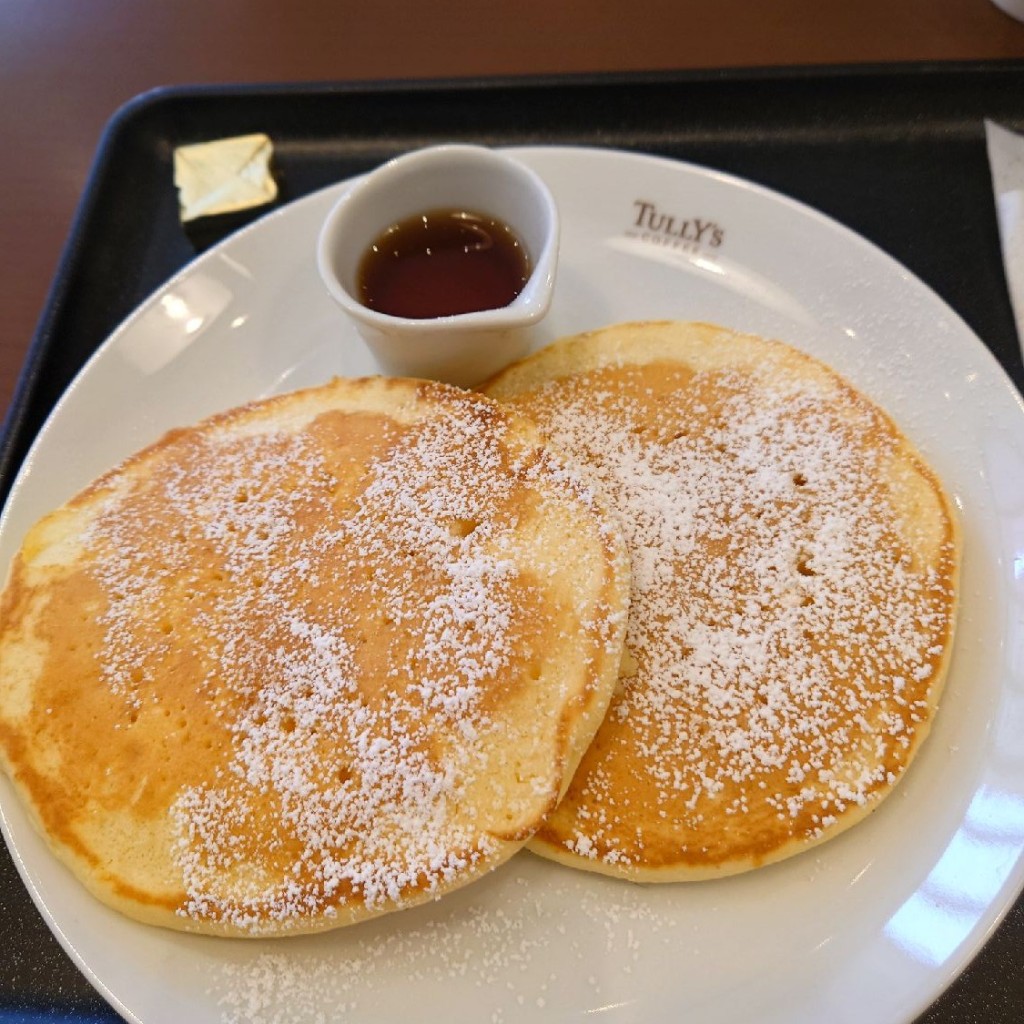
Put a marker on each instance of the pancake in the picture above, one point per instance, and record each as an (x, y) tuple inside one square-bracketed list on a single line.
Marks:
[(325, 656), (794, 567)]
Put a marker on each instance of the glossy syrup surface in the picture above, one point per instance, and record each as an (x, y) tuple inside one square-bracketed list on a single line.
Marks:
[(442, 263)]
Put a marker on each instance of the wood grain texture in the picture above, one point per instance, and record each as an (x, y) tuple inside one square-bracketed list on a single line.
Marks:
[(66, 67)]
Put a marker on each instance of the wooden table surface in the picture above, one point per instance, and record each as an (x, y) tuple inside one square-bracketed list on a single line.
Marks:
[(66, 66)]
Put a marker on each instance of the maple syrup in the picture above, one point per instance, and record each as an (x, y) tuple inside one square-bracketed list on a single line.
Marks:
[(441, 263)]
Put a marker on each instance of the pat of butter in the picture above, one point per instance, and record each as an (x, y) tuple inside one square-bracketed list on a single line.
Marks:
[(224, 176)]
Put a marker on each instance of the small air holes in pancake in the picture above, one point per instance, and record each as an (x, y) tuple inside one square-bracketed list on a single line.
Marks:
[(803, 565), (462, 527)]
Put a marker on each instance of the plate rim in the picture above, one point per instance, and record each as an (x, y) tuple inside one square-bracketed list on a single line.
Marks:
[(1001, 377)]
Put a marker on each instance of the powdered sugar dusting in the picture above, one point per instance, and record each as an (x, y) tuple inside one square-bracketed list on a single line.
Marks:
[(351, 600), (498, 949), (785, 626)]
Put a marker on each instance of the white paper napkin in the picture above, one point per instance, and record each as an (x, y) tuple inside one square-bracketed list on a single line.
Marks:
[(1006, 161)]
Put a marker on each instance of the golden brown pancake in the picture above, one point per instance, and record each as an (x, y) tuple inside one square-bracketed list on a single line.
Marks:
[(325, 656), (794, 587)]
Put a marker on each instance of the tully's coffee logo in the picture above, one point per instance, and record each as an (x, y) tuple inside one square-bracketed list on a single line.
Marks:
[(688, 234)]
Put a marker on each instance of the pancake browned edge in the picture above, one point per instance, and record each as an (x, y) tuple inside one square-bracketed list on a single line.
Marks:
[(325, 656), (795, 570)]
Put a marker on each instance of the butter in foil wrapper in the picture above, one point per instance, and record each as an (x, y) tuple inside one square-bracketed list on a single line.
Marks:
[(224, 183)]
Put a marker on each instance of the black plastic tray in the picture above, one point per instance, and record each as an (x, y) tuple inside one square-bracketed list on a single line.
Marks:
[(895, 153)]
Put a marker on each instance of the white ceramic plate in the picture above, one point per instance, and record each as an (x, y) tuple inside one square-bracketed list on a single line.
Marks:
[(872, 926)]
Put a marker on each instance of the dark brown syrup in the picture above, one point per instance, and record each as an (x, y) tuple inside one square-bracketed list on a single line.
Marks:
[(441, 263)]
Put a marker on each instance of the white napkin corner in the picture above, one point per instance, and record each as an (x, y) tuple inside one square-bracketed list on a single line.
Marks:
[(1006, 162)]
